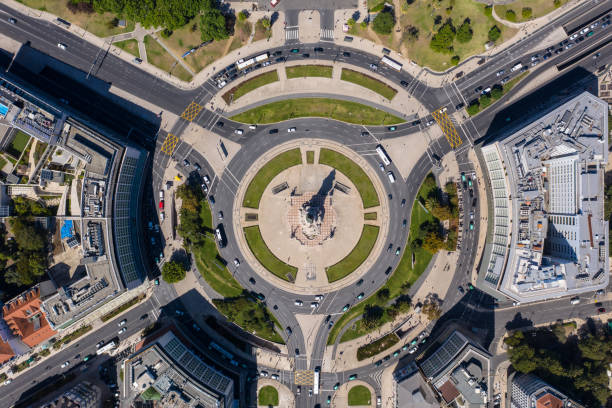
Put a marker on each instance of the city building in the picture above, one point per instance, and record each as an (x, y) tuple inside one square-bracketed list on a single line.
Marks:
[(412, 390), (549, 237), (528, 391), (166, 371), (6, 352), (82, 395), (459, 370), (26, 319)]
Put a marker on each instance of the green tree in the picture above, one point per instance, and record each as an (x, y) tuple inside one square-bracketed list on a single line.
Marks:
[(442, 41), (173, 272), (494, 33), (383, 295), (497, 92), (431, 309), (527, 12), (372, 316), (557, 3), (165, 33), (213, 25), (454, 60), (27, 235), (363, 25), (485, 100), (265, 22), (242, 16), (464, 32), (510, 15), (473, 108), (350, 22), (411, 33), (383, 22), (488, 10)]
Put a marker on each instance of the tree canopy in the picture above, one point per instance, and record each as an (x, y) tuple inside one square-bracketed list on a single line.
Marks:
[(383, 22), (173, 272), (494, 33), (464, 32), (442, 41), (213, 25)]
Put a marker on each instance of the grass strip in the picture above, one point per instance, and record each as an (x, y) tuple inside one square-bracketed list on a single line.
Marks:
[(476, 107), (249, 85), (355, 173), (265, 175), (122, 308), (367, 81), (380, 345), (359, 395), (310, 157), (266, 257), (251, 315), (345, 111), (72, 336), (356, 257), (302, 71), (268, 396), (130, 46)]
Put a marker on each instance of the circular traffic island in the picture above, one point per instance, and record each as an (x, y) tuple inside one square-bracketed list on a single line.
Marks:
[(267, 396), (359, 395), (310, 215)]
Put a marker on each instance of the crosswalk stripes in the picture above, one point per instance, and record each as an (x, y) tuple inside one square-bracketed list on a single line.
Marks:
[(292, 33), (376, 376), (327, 34)]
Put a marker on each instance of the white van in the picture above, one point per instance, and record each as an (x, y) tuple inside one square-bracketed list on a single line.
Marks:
[(575, 301), (391, 177)]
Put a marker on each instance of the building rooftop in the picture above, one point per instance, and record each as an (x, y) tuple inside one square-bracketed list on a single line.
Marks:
[(25, 318), (411, 389), (549, 235)]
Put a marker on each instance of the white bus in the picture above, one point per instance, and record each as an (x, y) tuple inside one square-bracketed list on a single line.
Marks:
[(392, 63), (106, 347), (315, 386), (262, 57), (243, 64), (516, 67), (383, 155)]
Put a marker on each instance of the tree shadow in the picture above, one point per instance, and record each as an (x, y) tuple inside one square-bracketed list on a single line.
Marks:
[(518, 322)]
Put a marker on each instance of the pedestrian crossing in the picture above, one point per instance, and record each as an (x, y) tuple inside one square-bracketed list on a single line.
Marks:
[(292, 33), (327, 34)]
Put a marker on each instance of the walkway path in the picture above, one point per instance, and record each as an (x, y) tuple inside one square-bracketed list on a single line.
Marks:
[(169, 51)]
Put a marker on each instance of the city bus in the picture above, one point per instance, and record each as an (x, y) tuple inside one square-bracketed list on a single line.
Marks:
[(391, 63), (315, 385), (106, 347), (383, 155)]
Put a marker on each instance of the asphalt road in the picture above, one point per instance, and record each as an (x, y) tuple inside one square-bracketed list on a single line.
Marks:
[(82, 55)]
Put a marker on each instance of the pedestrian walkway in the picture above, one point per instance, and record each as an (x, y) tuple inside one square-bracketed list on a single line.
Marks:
[(327, 34), (292, 33)]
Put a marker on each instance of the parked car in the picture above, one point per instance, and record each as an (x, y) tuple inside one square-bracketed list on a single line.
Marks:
[(291, 130), (61, 46), (298, 302)]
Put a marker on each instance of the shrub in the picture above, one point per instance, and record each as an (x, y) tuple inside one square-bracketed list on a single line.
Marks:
[(485, 100), (497, 92), (488, 10), (464, 33), (526, 13), (473, 108), (350, 22), (494, 33), (455, 60), (165, 33), (242, 15), (442, 41), (384, 22), (557, 3), (411, 33), (510, 15), (363, 25)]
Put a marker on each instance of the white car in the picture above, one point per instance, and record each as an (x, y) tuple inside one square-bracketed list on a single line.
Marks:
[(574, 36), (274, 377), (319, 298), (298, 302), (61, 46), (291, 130), (121, 323), (236, 262), (263, 374), (65, 364), (314, 305), (122, 330), (500, 73), (412, 350), (238, 131), (7, 382), (373, 67), (431, 122), (252, 127)]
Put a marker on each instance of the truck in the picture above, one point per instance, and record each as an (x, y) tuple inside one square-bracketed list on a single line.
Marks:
[(516, 67)]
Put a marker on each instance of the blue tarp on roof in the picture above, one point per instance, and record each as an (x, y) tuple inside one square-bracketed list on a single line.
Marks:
[(67, 230)]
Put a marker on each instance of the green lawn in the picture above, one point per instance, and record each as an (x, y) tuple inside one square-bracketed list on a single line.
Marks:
[(359, 395), (401, 279), (356, 257), (99, 24), (130, 46), (251, 315), (421, 14), (250, 85), (539, 8), (2, 162), (506, 88), (18, 145), (266, 257), (310, 155), (355, 173), (345, 111), (301, 71), (265, 175), (370, 216), (368, 82), (268, 395), (157, 55), (380, 345)]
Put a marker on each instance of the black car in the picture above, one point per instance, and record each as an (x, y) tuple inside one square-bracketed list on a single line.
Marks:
[(346, 54), (459, 106), (416, 123), (252, 281), (305, 55), (273, 131), (277, 53), (319, 49), (359, 282), (404, 84), (220, 124), (478, 90), (280, 59)]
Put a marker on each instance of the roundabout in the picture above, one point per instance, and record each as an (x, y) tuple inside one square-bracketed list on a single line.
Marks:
[(303, 222)]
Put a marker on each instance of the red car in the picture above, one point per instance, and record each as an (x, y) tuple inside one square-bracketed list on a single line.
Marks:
[(161, 205), (601, 310)]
